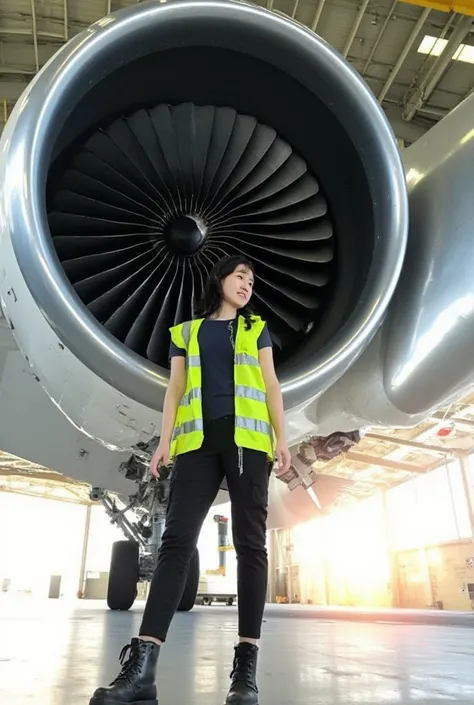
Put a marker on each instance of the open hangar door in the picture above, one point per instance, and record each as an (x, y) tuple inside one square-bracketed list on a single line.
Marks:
[(55, 541), (396, 521)]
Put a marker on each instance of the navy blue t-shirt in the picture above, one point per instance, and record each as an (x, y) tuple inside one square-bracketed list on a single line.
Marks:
[(217, 365)]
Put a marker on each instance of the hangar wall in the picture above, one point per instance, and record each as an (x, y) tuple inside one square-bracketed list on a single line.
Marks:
[(411, 546)]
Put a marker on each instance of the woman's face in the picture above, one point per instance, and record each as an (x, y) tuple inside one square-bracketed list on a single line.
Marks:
[(237, 287)]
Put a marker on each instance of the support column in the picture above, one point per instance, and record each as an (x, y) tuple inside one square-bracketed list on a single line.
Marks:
[(272, 566), (327, 583), (465, 471), (288, 553), (85, 547)]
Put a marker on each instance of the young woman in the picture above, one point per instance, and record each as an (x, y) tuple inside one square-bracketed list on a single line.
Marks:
[(222, 418)]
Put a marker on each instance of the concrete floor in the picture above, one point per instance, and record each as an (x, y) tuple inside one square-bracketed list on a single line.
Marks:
[(55, 653)]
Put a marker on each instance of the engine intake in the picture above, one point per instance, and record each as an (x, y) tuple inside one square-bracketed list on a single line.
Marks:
[(169, 135), (143, 208)]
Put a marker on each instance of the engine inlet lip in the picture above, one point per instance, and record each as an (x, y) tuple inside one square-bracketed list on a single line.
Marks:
[(29, 138)]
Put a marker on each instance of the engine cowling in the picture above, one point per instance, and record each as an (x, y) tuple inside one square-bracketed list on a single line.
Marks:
[(161, 139)]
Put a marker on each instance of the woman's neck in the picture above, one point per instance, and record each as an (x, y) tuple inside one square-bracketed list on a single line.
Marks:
[(226, 312)]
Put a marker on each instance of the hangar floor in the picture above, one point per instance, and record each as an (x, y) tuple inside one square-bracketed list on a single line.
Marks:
[(54, 653)]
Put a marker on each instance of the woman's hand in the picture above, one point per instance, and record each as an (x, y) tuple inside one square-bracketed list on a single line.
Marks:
[(161, 457), (283, 456)]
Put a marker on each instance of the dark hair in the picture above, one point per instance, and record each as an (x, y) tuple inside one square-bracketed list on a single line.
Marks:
[(212, 297)]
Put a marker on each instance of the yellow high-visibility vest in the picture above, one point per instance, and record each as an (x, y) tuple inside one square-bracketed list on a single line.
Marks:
[(253, 428)]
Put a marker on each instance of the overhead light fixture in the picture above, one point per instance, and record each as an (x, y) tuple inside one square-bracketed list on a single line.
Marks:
[(435, 46)]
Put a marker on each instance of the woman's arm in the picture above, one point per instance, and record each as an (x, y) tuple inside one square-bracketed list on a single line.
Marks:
[(275, 406), (174, 393)]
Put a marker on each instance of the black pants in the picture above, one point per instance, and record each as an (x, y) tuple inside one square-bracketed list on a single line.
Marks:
[(195, 481)]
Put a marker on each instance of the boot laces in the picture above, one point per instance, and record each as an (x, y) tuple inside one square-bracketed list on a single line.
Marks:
[(130, 667), (243, 670)]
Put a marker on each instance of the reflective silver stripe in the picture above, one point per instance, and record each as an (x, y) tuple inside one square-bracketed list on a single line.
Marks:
[(250, 393), (245, 359), (193, 360), (253, 425), (186, 333), (193, 394), (188, 427)]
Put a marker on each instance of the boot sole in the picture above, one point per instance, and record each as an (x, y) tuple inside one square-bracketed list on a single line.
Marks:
[(101, 701)]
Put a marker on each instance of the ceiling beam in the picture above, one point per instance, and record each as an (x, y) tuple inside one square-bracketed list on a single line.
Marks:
[(35, 35), (435, 74), (397, 453), (16, 70), (355, 27), (439, 416), (379, 36), (428, 60), (396, 465), (404, 53), (11, 32), (463, 7), (418, 445), (30, 492), (445, 90), (38, 476), (438, 113), (317, 15), (79, 493), (66, 20)]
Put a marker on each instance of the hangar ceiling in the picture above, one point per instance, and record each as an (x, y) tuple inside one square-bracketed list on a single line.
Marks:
[(417, 58), (19, 476)]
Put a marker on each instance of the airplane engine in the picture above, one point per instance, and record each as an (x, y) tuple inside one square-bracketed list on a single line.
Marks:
[(156, 142)]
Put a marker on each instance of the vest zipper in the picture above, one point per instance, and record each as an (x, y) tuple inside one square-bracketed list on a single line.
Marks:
[(240, 450)]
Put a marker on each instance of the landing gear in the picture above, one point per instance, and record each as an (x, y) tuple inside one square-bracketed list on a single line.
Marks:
[(123, 576), (134, 560)]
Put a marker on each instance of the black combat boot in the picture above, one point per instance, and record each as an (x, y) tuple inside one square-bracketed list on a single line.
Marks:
[(243, 689), (135, 684)]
